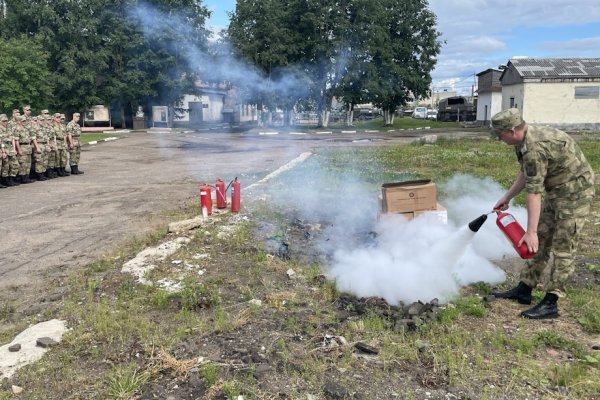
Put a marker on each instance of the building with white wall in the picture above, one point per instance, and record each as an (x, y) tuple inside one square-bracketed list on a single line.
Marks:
[(489, 91), (560, 92)]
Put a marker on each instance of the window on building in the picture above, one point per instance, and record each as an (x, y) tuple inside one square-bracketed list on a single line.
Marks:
[(587, 92), (512, 102)]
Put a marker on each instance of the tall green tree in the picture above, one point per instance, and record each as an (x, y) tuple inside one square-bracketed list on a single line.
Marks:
[(123, 51), (24, 74), (262, 34)]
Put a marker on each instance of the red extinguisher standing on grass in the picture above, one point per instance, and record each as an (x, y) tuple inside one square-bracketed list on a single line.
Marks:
[(514, 232), (235, 196), (221, 194), (205, 199)]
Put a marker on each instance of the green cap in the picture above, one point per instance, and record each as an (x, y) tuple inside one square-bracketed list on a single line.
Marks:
[(504, 120)]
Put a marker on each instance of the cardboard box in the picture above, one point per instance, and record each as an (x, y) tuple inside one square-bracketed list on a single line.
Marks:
[(440, 213), (410, 196)]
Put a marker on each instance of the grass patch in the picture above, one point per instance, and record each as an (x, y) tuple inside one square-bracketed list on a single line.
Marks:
[(91, 137)]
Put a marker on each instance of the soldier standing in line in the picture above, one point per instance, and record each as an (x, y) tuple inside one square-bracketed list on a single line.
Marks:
[(552, 164), (74, 132), (10, 169), (8, 153), (50, 158), (24, 158), (61, 151), (13, 121), (27, 112), (41, 156)]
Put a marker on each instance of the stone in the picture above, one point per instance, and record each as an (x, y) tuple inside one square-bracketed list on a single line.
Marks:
[(262, 370), (17, 389), (46, 342), (334, 390), (14, 348), (596, 347), (416, 309), (365, 348)]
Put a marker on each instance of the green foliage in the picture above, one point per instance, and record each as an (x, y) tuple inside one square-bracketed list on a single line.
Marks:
[(210, 373), (100, 51), (471, 305), (125, 381), (586, 304), (24, 74)]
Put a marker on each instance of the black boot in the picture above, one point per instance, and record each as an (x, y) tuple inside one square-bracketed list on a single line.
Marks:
[(546, 308), (14, 180), (24, 179), (48, 174), (59, 172), (2, 185), (55, 172), (40, 176), (75, 170), (521, 293), (65, 172)]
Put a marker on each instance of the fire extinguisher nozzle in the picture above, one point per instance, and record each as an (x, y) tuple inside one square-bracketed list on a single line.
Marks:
[(476, 224)]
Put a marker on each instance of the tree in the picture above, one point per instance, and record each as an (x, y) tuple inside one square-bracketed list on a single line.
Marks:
[(123, 51), (262, 34), (404, 60), (24, 75)]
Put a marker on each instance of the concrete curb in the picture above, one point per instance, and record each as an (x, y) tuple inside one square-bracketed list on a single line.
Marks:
[(94, 142)]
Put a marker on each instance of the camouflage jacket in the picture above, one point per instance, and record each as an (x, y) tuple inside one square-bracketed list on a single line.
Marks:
[(74, 129), (552, 162)]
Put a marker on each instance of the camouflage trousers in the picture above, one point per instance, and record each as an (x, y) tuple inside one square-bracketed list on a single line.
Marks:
[(75, 153), (51, 158), (559, 230), (10, 166), (62, 158), (41, 161), (25, 160)]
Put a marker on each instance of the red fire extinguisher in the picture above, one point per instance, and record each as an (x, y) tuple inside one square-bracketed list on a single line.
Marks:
[(235, 196), (221, 194), (514, 232), (205, 199)]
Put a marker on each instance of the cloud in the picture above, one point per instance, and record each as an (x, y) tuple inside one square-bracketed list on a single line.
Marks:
[(588, 45), (482, 34)]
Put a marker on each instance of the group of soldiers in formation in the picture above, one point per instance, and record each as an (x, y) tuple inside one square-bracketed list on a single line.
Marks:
[(38, 147)]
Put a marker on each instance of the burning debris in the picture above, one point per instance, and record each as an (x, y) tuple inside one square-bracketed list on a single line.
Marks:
[(403, 317)]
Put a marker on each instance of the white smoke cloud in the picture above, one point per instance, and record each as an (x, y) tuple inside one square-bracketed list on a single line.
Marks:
[(424, 258)]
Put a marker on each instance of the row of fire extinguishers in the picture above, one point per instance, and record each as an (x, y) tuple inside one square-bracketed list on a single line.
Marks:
[(221, 196)]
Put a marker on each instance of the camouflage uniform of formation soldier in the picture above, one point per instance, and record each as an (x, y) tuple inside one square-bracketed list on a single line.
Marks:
[(37, 148), (552, 164)]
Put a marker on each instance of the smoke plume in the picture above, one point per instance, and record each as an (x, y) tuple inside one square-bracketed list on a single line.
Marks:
[(407, 261)]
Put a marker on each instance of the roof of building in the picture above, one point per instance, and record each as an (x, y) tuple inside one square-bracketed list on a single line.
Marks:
[(557, 67), (488, 71)]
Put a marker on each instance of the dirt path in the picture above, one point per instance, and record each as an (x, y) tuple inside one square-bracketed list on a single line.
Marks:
[(61, 224)]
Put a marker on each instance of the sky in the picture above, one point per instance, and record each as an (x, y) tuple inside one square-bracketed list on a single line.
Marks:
[(482, 34)]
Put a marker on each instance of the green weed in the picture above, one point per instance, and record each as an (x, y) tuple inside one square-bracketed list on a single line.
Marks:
[(125, 381), (210, 373)]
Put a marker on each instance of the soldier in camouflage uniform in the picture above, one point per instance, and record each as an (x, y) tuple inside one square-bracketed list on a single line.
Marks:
[(10, 165), (552, 164), (21, 132), (40, 154), (8, 154), (74, 132), (51, 151), (61, 147)]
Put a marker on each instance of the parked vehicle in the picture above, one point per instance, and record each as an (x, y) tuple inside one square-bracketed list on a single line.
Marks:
[(432, 114), (420, 112), (457, 108)]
